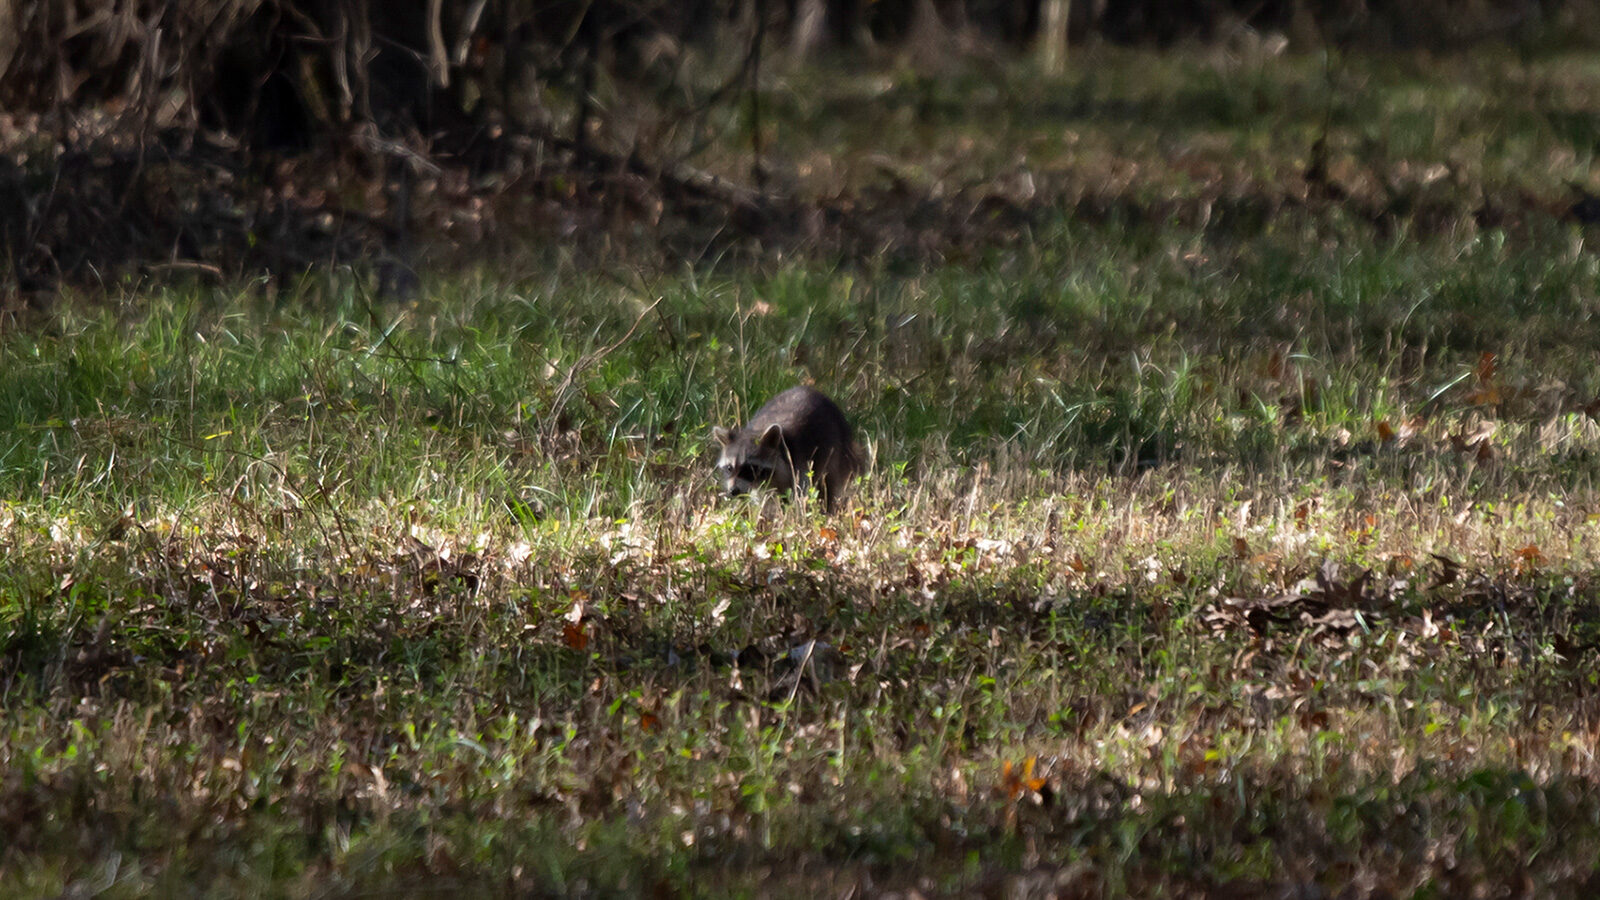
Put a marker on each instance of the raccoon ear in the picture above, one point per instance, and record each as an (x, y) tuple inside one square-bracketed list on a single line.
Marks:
[(724, 436), (772, 437)]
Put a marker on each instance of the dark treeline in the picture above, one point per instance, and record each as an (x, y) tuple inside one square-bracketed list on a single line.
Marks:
[(234, 136), (280, 71)]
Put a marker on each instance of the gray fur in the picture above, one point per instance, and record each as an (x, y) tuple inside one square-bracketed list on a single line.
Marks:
[(799, 432)]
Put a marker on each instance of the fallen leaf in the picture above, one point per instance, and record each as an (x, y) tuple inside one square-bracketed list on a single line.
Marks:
[(575, 614), (1449, 570), (1487, 365), (1302, 512), (1484, 395), (1015, 780)]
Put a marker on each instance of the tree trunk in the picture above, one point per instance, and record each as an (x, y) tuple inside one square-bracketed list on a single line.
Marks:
[(806, 31), (1053, 35)]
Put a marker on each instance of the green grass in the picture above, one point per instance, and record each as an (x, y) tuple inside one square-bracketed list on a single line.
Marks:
[(308, 594)]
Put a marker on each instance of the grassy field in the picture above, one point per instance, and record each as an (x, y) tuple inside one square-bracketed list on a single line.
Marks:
[(1222, 543)]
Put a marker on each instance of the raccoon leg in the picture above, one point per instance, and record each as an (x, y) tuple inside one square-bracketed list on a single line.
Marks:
[(827, 490)]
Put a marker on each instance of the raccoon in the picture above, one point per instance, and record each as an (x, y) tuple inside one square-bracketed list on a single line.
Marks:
[(798, 434)]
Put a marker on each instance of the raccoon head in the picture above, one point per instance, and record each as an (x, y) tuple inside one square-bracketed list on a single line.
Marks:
[(750, 460)]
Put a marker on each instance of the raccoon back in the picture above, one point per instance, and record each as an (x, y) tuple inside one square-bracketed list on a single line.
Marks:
[(814, 429)]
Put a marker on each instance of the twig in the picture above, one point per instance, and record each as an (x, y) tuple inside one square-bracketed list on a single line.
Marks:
[(589, 359), (800, 671), (188, 265), (681, 178)]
